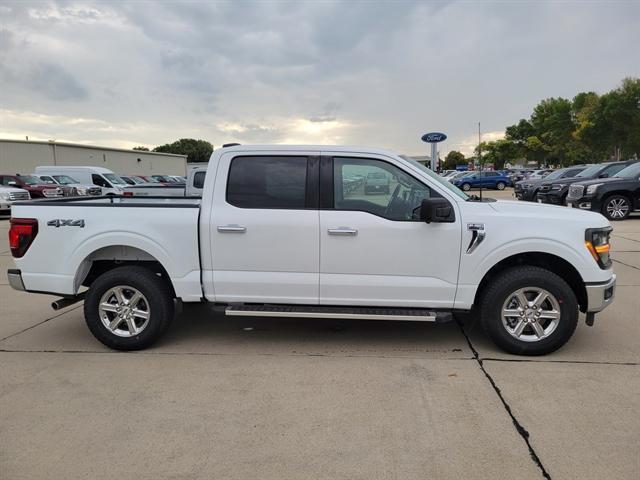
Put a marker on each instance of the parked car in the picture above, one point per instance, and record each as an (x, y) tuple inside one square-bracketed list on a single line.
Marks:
[(168, 179), (614, 197), (528, 189), (36, 187), (151, 179), (8, 195), (555, 192), (486, 179), (446, 173), (538, 174), (102, 177), (251, 246), (75, 187), (376, 182)]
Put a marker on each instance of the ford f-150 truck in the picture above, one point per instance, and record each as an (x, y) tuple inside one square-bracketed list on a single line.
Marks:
[(276, 233)]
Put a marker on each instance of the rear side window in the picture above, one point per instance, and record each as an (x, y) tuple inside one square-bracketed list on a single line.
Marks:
[(611, 170), (267, 182), (198, 179)]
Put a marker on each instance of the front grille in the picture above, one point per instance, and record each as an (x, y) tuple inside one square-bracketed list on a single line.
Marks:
[(19, 196), (576, 191)]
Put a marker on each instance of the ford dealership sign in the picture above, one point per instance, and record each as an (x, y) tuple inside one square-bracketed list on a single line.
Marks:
[(434, 137)]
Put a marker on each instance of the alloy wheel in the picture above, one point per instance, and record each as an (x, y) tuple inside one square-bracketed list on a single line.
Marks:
[(124, 311), (530, 314)]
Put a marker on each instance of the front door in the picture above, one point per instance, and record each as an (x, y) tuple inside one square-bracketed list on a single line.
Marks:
[(264, 229), (374, 250)]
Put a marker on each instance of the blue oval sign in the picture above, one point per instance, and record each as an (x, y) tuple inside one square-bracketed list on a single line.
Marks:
[(434, 137)]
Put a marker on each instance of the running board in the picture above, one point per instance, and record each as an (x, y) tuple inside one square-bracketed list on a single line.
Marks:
[(353, 313)]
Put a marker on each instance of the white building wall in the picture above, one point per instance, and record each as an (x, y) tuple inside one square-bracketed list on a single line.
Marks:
[(23, 157)]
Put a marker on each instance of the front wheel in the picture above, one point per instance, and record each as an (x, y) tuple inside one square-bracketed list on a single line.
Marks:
[(529, 311), (500, 185), (128, 308), (466, 187), (616, 207)]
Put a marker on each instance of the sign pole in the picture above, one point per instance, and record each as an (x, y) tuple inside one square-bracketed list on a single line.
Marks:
[(434, 156)]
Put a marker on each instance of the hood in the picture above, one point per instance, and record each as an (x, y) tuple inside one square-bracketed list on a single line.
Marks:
[(10, 189), (567, 181), (595, 181), (522, 210), (536, 181)]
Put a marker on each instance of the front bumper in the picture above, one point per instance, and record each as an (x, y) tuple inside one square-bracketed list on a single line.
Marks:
[(551, 196), (4, 205), (600, 295), (585, 203), (15, 279)]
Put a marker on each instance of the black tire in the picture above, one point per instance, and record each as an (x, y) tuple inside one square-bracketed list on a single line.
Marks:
[(534, 196), (616, 198), (501, 288), (466, 187), (500, 185), (157, 294)]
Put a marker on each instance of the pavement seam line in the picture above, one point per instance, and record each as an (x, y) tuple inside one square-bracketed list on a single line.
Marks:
[(575, 362), (625, 264), (626, 238), (516, 423), (38, 324)]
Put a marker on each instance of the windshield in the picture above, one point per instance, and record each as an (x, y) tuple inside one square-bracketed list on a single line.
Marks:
[(554, 175), (114, 179), (437, 178), (31, 180), (65, 179), (632, 171), (589, 172)]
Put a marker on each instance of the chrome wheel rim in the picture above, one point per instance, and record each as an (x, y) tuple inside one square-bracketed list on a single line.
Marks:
[(617, 208), (124, 311), (530, 314), (501, 186), (466, 187)]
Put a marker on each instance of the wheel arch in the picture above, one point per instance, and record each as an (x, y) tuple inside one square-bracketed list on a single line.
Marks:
[(106, 258), (548, 261)]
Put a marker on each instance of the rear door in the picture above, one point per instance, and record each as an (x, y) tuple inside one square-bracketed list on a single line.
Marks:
[(264, 228)]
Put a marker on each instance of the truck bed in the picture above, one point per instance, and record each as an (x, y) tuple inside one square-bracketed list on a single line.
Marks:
[(74, 232)]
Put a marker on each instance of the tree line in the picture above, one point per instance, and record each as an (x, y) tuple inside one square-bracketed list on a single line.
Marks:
[(589, 128), (195, 150)]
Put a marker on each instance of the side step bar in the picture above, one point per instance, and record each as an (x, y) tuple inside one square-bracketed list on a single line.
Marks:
[(353, 313)]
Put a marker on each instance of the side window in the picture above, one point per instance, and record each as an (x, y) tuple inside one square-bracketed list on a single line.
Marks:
[(47, 179), (611, 170), (198, 179), (377, 187), (267, 182), (571, 173), (98, 180)]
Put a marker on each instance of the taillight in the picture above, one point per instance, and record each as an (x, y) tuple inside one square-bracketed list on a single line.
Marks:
[(597, 242), (127, 194), (22, 232)]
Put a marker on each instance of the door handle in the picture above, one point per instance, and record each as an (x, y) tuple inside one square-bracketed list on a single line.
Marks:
[(231, 229), (343, 231)]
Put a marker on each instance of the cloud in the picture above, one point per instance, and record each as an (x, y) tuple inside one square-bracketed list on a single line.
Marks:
[(379, 73)]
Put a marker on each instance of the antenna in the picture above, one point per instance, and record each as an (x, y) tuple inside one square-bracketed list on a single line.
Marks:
[(480, 158)]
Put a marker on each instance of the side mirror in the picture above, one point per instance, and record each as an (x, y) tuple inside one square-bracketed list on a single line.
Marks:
[(436, 210), (603, 175)]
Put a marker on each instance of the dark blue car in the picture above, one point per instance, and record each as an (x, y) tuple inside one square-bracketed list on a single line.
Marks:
[(488, 179)]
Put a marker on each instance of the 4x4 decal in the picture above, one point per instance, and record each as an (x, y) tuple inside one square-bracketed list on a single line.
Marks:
[(65, 223)]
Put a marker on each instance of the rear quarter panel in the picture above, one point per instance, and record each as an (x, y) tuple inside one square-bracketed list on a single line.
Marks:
[(55, 262)]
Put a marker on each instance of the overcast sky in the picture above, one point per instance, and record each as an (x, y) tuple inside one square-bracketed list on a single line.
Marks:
[(359, 72)]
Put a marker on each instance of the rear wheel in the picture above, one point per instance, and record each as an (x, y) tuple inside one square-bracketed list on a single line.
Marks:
[(466, 187), (616, 207), (529, 311), (128, 308), (501, 185)]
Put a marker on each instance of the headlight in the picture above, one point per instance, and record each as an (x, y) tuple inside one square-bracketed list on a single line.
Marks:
[(528, 185), (558, 186), (4, 195), (597, 242), (591, 189)]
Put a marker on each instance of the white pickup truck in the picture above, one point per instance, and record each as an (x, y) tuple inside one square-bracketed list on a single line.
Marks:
[(277, 233)]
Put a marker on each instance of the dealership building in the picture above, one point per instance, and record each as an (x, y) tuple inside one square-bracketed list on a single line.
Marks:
[(23, 156)]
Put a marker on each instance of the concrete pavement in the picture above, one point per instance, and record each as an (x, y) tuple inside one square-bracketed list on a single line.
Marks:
[(267, 398)]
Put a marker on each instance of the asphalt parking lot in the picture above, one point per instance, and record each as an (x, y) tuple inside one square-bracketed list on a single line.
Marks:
[(240, 398)]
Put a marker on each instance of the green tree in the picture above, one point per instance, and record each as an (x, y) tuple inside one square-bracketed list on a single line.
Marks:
[(453, 159), (143, 149), (195, 150), (499, 152)]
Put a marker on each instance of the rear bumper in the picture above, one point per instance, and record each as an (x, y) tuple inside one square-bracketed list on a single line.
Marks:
[(600, 295), (15, 279)]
